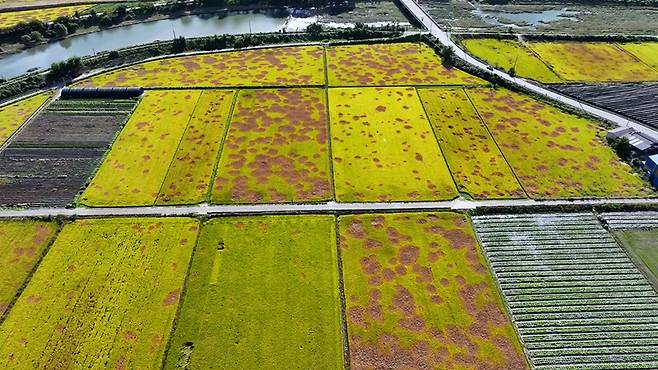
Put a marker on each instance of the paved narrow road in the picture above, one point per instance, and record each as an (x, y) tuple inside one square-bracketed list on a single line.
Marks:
[(444, 37), (327, 208)]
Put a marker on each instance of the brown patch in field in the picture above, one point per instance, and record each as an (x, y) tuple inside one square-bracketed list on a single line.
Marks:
[(33, 299), (458, 238), (171, 298), (408, 255), (356, 230), (129, 335), (373, 244)]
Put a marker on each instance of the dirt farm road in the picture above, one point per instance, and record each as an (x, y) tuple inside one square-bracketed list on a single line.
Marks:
[(444, 38), (317, 208)]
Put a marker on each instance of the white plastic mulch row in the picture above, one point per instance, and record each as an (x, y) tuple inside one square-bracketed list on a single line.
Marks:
[(577, 300), (630, 220)]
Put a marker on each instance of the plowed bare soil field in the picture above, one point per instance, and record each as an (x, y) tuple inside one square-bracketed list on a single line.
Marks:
[(419, 295)]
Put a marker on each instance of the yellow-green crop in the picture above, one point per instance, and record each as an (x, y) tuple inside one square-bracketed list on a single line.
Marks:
[(13, 116), (418, 293), (593, 62), (554, 154), (276, 149), (262, 293), (190, 173), (508, 54), (391, 64), (646, 52), (105, 296), (475, 161), (277, 66), (11, 19), (135, 168), (384, 148), (22, 244)]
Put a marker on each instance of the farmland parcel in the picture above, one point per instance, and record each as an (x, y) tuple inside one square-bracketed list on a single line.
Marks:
[(13, 116), (50, 160), (554, 154), (284, 66), (576, 298), (190, 173), (263, 293), (418, 295), (384, 148), (476, 163), (276, 149), (134, 170), (391, 65), (644, 51), (11, 19), (22, 244), (105, 296), (507, 54), (593, 62)]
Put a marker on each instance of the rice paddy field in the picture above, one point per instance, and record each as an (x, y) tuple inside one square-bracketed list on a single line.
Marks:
[(12, 116), (104, 296), (419, 295), (391, 65), (508, 54), (384, 148), (262, 293), (279, 66), (554, 154), (555, 62), (11, 19), (135, 168), (475, 161), (188, 177), (276, 150), (22, 244)]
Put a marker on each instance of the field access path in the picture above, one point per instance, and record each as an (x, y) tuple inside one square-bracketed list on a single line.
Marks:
[(315, 208), (444, 37)]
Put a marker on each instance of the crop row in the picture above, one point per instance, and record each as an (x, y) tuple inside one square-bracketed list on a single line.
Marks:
[(49, 161), (630, 220), (586, 295)]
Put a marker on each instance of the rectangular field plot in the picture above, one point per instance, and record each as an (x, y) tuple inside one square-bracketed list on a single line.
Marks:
[(189, 176), (576, 298), (507, 54), (51, 159), (22, 244), (136, 166), (262, 293), (642, 246), (105, 296), (646, 52), (384, 148), (45, 176), (276, 149), (419, 295), (475, 161), (593, 62), (554, 154), (278, 66), (13, 116), (390, 65)]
